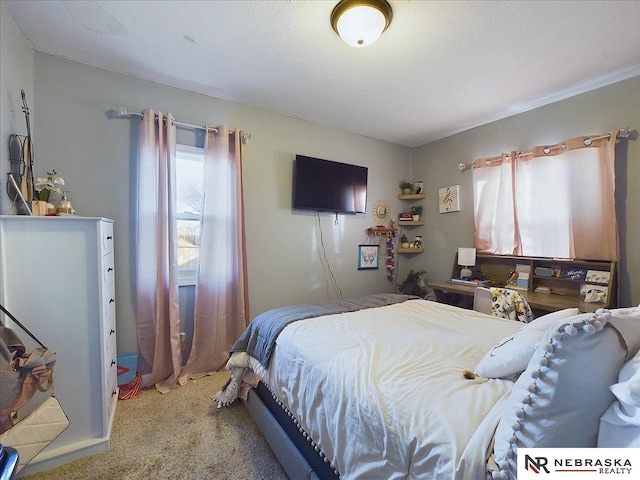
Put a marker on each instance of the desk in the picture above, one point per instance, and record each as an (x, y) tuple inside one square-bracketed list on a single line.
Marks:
[(549, 302)]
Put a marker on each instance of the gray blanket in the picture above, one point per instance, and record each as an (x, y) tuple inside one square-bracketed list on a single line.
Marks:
[(260, 336)]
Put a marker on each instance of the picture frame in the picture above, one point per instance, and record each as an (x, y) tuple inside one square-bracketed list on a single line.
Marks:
[(574, 273), (449, 199), (368, 257), (597, 276)]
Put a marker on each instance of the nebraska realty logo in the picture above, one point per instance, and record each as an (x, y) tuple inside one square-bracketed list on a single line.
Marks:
[(588, 463)]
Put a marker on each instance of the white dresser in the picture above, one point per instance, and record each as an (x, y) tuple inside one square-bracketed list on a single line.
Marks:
[(57, 277)]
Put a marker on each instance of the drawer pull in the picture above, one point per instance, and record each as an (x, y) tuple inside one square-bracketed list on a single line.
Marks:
[(112, 332), (109, 269), (111, 300), (113, 362), (113, 393), (109, 237)]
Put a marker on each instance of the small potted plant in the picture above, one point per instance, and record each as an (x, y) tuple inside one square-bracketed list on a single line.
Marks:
[(416, 211), (404, 241), (414, 284), (405, 187), (47, 188)]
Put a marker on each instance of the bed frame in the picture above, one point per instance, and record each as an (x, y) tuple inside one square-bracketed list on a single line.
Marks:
[(296, 454)]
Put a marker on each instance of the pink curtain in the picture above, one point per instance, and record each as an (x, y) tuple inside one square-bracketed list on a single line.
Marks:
[(157, 313), (222, 303), (562, 198), (494, 206), (570, 190)]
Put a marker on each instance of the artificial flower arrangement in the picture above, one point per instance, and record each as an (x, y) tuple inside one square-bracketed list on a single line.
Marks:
[(46, 186)]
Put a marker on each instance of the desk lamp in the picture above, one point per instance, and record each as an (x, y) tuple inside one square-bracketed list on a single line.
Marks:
[(466, 259)]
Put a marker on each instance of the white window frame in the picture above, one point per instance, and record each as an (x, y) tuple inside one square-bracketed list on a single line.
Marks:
[(187, 277)]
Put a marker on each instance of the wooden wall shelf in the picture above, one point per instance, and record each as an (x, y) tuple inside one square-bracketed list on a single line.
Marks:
[(411, 223), (410, 250), (381, 231), (412, 196)]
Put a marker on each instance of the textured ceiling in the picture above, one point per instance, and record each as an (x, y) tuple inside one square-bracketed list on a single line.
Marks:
[(442, 66)]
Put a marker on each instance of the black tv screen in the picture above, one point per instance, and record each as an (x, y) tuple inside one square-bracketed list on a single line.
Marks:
[(329, 186)]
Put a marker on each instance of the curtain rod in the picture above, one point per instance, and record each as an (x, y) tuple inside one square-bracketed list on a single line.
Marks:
[(622, 133), (123, 112)]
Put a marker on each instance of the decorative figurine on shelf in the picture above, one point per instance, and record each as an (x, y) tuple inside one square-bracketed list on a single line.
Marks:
[(418, 241), (513, 278)]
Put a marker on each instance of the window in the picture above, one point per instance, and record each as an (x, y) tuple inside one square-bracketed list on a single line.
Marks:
[(550, 201), (189, 178)]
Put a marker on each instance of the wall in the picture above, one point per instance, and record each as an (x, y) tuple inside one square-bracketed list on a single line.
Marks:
[(16, 74), (609, 108), (96, 156)]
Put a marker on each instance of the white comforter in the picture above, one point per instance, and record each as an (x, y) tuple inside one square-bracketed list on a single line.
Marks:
[(381, 391)]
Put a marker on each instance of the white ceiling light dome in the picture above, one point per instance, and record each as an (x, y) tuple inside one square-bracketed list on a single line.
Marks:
[(361, 22)]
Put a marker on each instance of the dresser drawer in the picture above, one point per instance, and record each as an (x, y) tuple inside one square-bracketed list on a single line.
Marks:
[(110, 335), (108, 273), (109, 303), (111, 378), (106, 230), (112, 397)]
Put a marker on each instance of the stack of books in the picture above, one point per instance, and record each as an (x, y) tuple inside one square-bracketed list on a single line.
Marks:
[(522, 278)]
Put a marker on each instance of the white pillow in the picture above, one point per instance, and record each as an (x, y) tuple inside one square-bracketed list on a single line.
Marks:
[(628, 395), (558, 400), (511, 355), (627, 390), (625, 321)]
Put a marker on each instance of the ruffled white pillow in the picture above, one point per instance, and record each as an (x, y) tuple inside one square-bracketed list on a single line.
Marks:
[(511, 355), (627, 390), (628, 395)]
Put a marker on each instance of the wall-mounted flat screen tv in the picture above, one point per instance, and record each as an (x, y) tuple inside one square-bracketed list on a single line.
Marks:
[(329, 186)]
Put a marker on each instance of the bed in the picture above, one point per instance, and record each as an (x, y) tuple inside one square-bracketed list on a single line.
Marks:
[(391, 386)]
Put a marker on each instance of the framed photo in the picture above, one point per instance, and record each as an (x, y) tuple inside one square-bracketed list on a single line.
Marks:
[(597, 276), (418, 187), (574, 273), (449, 199), (368, 257)]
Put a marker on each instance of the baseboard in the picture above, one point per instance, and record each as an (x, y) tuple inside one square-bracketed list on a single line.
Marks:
[(48, 459)]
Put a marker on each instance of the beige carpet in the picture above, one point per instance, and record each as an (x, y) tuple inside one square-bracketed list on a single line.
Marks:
[(178, 435)]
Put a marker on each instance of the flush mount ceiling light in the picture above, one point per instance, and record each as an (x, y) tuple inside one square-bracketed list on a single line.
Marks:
[(360, 22)]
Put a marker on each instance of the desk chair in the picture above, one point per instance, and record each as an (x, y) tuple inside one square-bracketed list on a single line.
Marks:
[(502, 302), (482, 300)]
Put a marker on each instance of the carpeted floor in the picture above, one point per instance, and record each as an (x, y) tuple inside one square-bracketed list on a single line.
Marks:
[(178, 435)]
